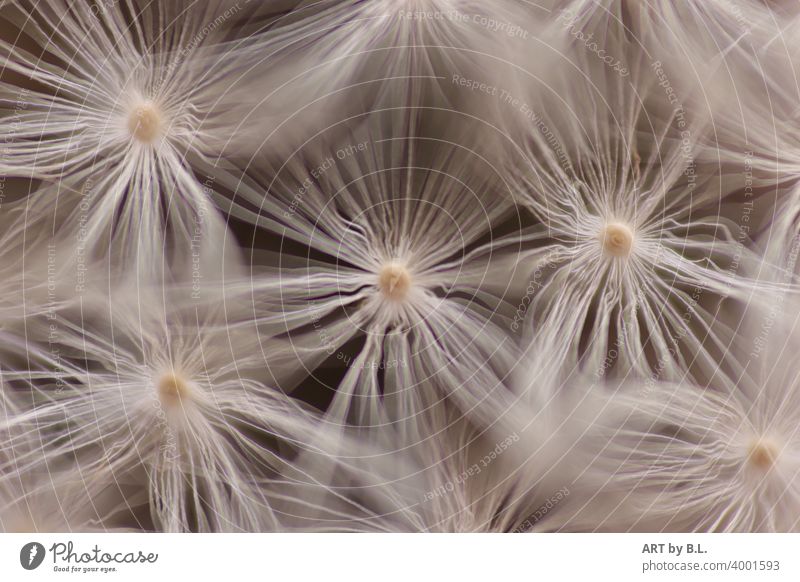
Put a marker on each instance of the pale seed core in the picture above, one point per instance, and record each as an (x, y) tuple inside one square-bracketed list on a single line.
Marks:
[(617, 240), (394, 281), (172, 389), (762, 455), (145, 123)]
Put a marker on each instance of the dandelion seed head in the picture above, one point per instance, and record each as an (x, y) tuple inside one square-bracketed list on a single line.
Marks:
[(617, 239), (145, 123), (394, 281)]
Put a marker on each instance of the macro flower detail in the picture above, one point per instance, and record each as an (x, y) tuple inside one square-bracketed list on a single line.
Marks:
[(398, 266)]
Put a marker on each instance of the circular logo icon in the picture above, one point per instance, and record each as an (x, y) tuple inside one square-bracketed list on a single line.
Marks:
[(31, 555)]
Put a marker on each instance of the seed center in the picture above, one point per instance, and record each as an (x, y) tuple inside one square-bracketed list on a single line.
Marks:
[(762, 454), (172, 389), (394, 281), (145, 123), (617, 239)]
